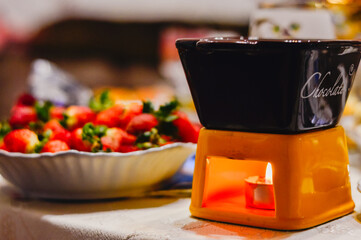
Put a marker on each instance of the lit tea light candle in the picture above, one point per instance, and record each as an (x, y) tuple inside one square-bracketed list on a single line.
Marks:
[(259, 191)]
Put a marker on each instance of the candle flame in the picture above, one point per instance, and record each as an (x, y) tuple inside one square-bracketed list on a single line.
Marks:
[(268, 176)]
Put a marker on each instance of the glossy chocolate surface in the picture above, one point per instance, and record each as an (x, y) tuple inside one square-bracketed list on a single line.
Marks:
[(276, 86)]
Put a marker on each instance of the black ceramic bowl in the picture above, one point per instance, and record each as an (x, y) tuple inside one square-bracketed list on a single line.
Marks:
[(274, 86)]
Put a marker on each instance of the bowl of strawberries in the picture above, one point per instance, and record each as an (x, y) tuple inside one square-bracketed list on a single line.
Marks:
[(105, 150)]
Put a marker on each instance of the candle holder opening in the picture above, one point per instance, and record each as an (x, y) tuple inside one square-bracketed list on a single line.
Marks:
[(239, 186)]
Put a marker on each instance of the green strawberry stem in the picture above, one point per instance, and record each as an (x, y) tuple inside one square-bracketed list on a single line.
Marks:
[(93, 135), (149, 139), (5, 128), (101, 103), (43, 110), (44, 138)]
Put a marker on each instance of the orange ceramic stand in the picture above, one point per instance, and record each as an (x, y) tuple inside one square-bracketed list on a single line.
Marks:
[(310, 177)]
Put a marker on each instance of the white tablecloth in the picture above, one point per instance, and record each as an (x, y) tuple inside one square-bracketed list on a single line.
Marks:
[(147, 218)]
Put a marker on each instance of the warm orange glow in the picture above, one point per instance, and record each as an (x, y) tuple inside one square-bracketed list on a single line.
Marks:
[(340, 1), (268, 176)]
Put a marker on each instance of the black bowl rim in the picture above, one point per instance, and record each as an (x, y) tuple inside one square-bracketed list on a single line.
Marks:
[(240, 42)]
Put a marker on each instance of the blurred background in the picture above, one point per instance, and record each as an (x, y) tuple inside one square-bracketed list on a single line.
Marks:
[(128, 46)]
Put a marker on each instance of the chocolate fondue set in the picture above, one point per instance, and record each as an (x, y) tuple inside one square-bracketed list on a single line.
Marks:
[(270, 153)]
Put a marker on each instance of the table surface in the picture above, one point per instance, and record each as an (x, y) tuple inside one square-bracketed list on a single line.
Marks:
[(147, 218)]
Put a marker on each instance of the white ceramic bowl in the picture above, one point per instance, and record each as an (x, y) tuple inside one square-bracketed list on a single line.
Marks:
[(82, 175)]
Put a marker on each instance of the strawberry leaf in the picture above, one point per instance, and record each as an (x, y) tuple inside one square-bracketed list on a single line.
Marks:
[(149, 139), (102, 102), (88, 133), (4, 129), (165, 116), (44, 138), (100, 130), (43, 110), (168, 128), (167, 109), (36, 127), (93, 134), (64, 121), (170, 118), (148, 107)]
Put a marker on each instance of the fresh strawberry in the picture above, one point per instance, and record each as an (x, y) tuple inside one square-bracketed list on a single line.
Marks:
[(186, 130), (116, 137), (124, 127), (78, 116), (131, 110), (166, 140), (21, 116), (2, 145), (127, 148), (142, 123), (119, 115), (21, 140), (106, 139), (112, 139), (77, 142), (58, 132), (166, 143), (55, 146), (25, 100), (57, 113), (128, 139), (110, 117)]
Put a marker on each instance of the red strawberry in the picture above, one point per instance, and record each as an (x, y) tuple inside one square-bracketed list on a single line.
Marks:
[(115, 138), (142, 123), (187, 131), (166, 143), (57, 113), (128, 139), (25, 100), (77, 142), (127, 148), (110, 117), (2, 145), (21, 140), (58, 132), (78, 116), (21, 116), (55, 146), (167, 139), (132, 109), (119, 115), (112, 139)]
